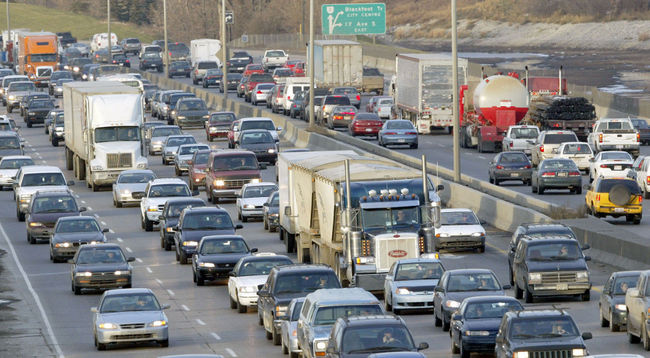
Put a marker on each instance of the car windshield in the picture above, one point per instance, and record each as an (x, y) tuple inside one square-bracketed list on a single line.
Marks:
[(195, 105), (174, 210), (234, 162), (399, 125), (337, 100), (61, 81), (260, 191), (295, 314), (7, 81), (377, 338), (472, 282), (371, 72), (458, 218), (513, 158), (88, 255), (256, 138), (21, 86), (387, 218), (207, 221), (6, 72), (622, 283), (305, 282), (345, 90), (40, 179), (524, 133), (41, 104), (129, 302), (543, 327), (207, 65), (554, 251), (135, 178), (84, 225), (177, 141), (214, 72), (225, 118), (419, 271), (169, 190), (558, 164), (326, 316), (576, 148), (487, 310), (230, 246), (57, 204), (177, 46), (115, 134), (179, 64), (260, 267), (15, 163), (606, 185), (615, 156), (6, 127), (559, 138), (201, 158), (9, 143), (190, 149), (165, 132)]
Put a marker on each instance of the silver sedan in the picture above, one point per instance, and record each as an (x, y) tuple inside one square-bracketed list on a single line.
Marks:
[(398, 132), (129, 182), (129, 315)]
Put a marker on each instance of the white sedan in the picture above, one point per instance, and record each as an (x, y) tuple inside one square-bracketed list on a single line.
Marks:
[(610, 164), (251, 199), (460, 229), (248, 274)]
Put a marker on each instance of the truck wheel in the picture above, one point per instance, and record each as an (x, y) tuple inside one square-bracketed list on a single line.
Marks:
[(586, 296), (528, 296), (519, 293)]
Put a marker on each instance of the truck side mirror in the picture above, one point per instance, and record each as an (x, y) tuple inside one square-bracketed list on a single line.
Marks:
[(440, 187), (239, 226), (587, 335)]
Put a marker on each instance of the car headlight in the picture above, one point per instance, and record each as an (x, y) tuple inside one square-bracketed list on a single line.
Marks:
[(169, 229), (126, 191), (219, 183), (477, 333), (12, 97), (31, 113), (180, 117), (582, 276), (107, 326), (320, 345), (152, 208), (84, 76), (520, 355), (190, 243), (478, 234), (255, 181), (83, 274), (275, 215), (62, 244), (452, 304), (402, 291), (249, 206), (59, 89), (205, 264), (579, 352), (280, 310), (173, 113), (158, 324), (271, 150), (534, 277), (207, 116), (247, 289), (75, 69), (120, 273), (621, 307), (35, 224)]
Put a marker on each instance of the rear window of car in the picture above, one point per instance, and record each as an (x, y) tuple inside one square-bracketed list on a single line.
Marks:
[(261, 77), (177, 47), (605, 186), (254, 67), (152, 49), (346, 90), (340, 100), (275, 54), (132, 41), (371, 72), (577, 148), (397, 124), (560, 138), (266, 124), (513, 158), (207, 65)]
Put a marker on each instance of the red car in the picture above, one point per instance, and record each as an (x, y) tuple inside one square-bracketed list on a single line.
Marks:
[(218, 125), (252, 68), (365, 124), (196, 171), (297, 67)]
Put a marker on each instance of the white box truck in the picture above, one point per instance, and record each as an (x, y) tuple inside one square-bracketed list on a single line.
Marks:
[(205, 50), (385, 217), (338, 63), (423, 89), (103, 123)]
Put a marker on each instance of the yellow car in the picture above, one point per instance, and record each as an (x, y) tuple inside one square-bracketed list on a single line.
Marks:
[(615, 197)]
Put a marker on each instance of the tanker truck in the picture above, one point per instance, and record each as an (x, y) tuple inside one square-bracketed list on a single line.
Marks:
[(355, 213), (498, 102)]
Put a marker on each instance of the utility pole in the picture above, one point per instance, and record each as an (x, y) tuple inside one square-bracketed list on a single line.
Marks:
[(166, 55), (224, 65), (6, 41), (311, 64), (110, 52), (455, 110)]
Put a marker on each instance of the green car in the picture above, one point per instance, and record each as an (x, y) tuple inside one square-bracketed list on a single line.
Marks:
[(557, 174)]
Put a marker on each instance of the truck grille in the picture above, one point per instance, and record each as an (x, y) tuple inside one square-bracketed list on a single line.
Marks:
[(558, 277), (552, 354), (119, 160), (40, 72), (235, 183)]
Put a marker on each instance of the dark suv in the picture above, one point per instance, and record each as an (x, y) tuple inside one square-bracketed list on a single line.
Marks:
[(359, 336), (539, 333), (169, 218), (190, 112), (285, 283), (551, 266), (228, 171), (45, 209)]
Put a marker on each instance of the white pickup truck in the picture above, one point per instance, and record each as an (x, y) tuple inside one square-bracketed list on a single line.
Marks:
[(274, 59), (615, 134), (520, 138)]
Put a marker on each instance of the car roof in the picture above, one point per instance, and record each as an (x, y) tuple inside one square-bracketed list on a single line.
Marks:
[(137, 171), (542, 227), (299, 267), (40, 169), (8, 134), (386, 319), (205, 209), (533, 241), (99, 244), (258, 257), (342, 296), (188, 200), (416, 260), (468, 271), (78, 217), (490, 298), (180, 136), (222, 237), (231, 152), (264, 183), (255, 119), (167, 181), (8, 157), (457, 210), (626, 273), (53, 192), (533, 313), (120, 291)]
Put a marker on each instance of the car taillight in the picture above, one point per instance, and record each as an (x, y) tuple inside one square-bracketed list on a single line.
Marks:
[(603, 165), (114, 61), (511, 144), (259, 92), (527, 167), (548, 174), (289, 98), (127, 61), (541, 148), (638, 137), (574, 174), (600, 137), (358, 98), (390, 133), (170, 54), (499, 166), (411, 133), (647, 180), (640, 199), (338, 117)]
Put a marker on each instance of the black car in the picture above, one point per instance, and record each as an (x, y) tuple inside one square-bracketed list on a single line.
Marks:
[(45, 209), (456, 285), (475, 325), (37, 110), (285, 283), (70, 232), (213, 77), (298, 104), (24, 102), (57, 86), (510, 166), (151, 60), (271, 212), (540, 333), (173, 100), (358, 337), (643, 128), (76, 65), (260, 142), (169, 218), (58, 75), (535, 230), (57, 129), (179, 68), (216, 257), (100, 266), (194, 224), (190, 112), (86, 69), (66, 38), (233, 81), (612, 308), (120, 59), (238, 61)]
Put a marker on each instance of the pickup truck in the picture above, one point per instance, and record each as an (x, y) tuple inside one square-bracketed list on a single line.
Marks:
[(615, 134), (273, 59), (637, 301), (373, 81), (520, 138)]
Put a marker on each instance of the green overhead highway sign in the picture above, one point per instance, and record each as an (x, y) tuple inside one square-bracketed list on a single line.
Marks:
[(354, 19)]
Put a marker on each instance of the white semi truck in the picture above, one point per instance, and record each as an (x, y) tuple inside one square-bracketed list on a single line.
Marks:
[(103, 123), (358, 220)]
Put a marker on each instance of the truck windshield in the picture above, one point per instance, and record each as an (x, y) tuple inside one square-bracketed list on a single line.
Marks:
[(114, 134), (524, 133), (388, 218), (43, 58), (326, 316)]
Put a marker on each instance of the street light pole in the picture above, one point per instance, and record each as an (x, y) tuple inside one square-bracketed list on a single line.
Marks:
[(311, 64), (6, 41), (166, 58), (224, 65), (455, 110), (110, 52)]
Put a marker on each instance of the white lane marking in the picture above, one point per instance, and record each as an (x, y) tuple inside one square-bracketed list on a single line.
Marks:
[(200, 322), (103, 223), (49, 273), (119, 239), (185, 308), (171, 293), (45, 162), (50, 332), (482, 157), (83, 201), (159, 281), (129, 249), (111, 231), (440, 145), (149, 270), (139, 260), (216, 336), (91, 209), (231, 352)]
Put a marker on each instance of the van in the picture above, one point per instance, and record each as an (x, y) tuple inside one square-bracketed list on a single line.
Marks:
[(292, 86), (100, 41)]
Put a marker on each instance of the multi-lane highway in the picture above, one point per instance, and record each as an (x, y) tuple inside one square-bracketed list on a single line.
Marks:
[(200, 318)]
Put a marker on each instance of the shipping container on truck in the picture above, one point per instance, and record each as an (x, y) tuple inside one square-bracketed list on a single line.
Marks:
[(38, 56), (205, 50), (338, 63)]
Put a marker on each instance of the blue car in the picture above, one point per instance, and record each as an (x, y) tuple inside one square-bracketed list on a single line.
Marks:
[(398, 132), (475, 324)]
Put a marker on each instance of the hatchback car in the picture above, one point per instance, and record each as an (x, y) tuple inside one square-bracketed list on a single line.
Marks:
[(218, 124), (615, 197), (71, 232), (579, 152), (409, 284), (179, 68), (251, 199), (611, 307), (510, 166), (260, 93), (212, 77), (129, 182), (365, 124), (350, 92), (556, 174), (169, 216), (610, 164), (100, 266), (217, 255), (398, 132), (260, 142), (45, 209)]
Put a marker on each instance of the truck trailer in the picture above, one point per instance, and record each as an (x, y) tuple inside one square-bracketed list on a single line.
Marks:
[(103, 123), (355, 213), (205, 50), (338, 63)]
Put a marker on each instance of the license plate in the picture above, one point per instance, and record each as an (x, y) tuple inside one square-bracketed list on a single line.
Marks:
[(619, 146), (401, 140), (562, 286), (562, 174), (619, 210), (368, 129), (618, 167), (514, 174)]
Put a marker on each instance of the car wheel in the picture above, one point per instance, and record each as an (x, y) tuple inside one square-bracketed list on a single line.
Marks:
[(244, 219), (100, 346), (632, 338), (241, 308), (164, 343), (540, 190), (260, 320), (612, 326), (233, 304), (168, 246), (454, 347), (19, 215), (266, 224), (275, 336), (519, 293), (644, 337), (118, 204), (177, 172), (528, 296), (387, 306), (148, 225), (31, 239), (578, 191), (463, 352), (436, 321), (75, 289), (199, 280), (586, 296), (481, 249), (293, 355), (496, 181), (183, 258), (285, 350), (445, 324), (512, 279)]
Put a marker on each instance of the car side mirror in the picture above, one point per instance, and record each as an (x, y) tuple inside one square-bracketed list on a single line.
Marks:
[(137, 194), (457, 317), (585, 247), (105, 230), (266, 204), (262, 293), (130, 259), (440, 187), (587, 335), (587, 187), (253, 250), (232, 274), (195, 192), (165, 306), (262, 165), (239, 226), (279, 129), (70, 182), (422, 346), (82, 209), (506, 287), (93, 309), (70, 261), (587, 258)]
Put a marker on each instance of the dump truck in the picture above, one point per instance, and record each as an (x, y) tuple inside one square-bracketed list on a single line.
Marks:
[(423, 87), (338, 63), (103, 123), (355, 213), (38, 56)]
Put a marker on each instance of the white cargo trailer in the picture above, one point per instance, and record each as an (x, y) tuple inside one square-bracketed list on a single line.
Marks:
[(338, 63), (205, 50)]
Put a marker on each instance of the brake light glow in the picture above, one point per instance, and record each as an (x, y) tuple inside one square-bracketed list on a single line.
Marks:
[(390, 133), (358, 98), (638, 137), (541, 148), (597, 197), (574, 174), (411, 133), (647, 180), (548, 174), (499, 166), (527, 167), (338, 117), (259, 92), (600, 137), (603, 165), (511, 144), (640, 199)]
